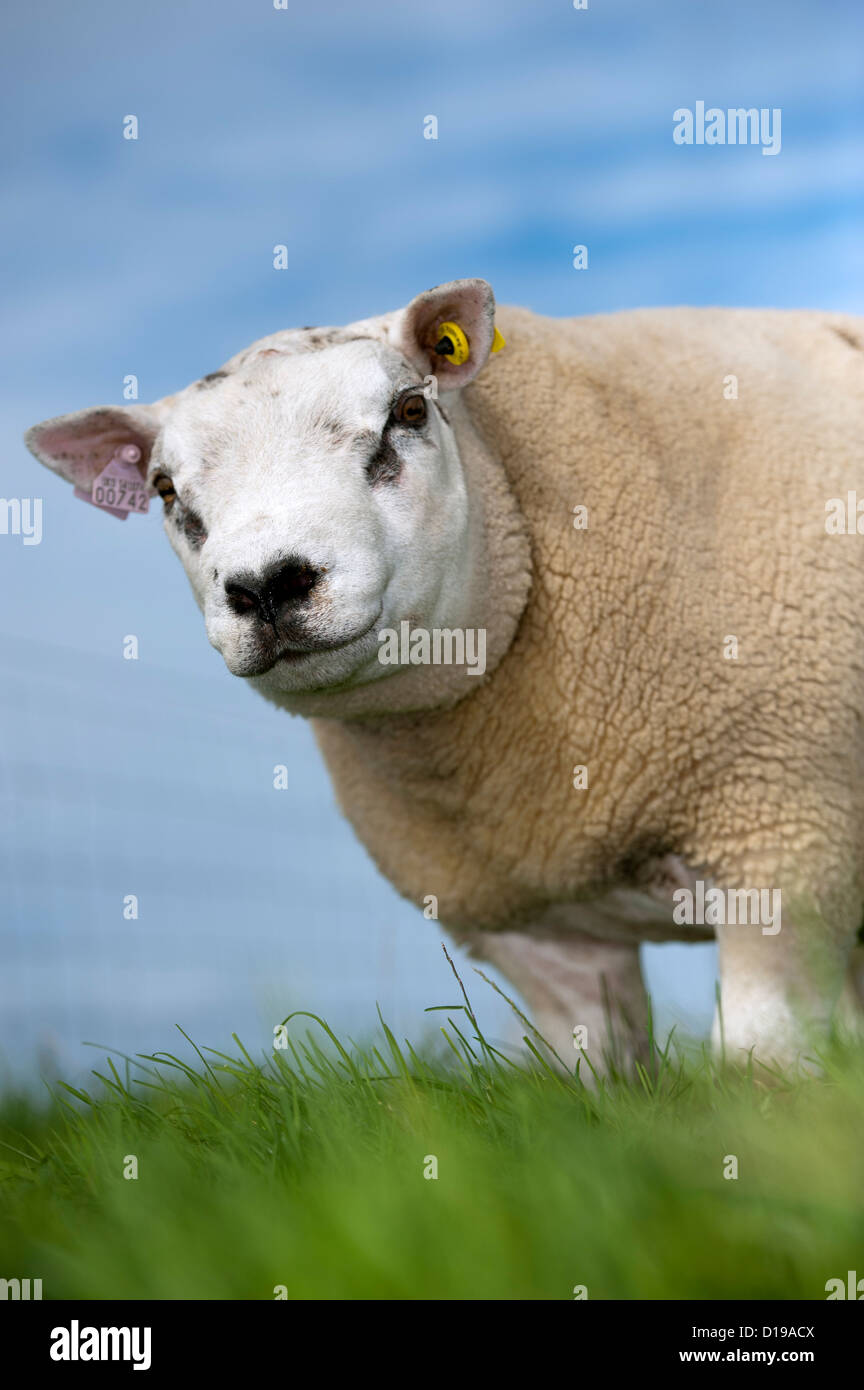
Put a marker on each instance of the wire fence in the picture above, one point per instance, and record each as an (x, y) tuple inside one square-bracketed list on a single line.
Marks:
[(152, 874)]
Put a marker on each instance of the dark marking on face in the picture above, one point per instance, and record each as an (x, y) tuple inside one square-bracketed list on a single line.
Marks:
[(385, 465), (190, 524), (338, 434), (186, 519), (209, 380)]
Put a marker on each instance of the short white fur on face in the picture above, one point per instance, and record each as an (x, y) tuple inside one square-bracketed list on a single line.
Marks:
[(293, 459), (314, 492)]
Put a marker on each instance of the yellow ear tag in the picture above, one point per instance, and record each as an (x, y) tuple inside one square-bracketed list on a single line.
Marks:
[(498, 342), (452, 343)]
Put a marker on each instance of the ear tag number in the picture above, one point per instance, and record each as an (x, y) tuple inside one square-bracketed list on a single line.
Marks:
[(119, 488)]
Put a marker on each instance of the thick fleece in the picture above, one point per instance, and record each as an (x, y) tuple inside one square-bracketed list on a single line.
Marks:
[(706, 535)]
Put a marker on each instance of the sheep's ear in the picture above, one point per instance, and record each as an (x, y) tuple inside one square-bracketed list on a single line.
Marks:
[(424, 331), (79, 446)]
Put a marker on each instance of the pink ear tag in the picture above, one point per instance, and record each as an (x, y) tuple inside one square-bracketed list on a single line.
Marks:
[(119, 488)]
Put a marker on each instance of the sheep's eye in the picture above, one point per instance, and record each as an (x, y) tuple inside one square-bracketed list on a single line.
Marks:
[(165, 488), (410, 410)]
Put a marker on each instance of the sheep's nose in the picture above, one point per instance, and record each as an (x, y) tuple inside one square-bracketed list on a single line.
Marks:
[(282, 586)]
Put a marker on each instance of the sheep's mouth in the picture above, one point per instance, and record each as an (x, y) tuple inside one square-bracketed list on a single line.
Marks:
[(296, 653)]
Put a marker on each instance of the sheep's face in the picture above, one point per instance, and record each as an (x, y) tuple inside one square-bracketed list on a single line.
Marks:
[(312, 489), (315, 496)]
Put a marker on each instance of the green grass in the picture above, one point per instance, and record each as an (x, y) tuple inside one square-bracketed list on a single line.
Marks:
[(307, 1170)]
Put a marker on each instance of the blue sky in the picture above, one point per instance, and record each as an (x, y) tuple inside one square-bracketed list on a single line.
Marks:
[(154, 257)]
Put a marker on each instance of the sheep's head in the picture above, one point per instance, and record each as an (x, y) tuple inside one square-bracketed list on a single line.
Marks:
[(312, 488)]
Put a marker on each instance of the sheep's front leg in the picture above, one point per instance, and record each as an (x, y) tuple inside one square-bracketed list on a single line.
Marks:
[(586, 996), (779, 989)]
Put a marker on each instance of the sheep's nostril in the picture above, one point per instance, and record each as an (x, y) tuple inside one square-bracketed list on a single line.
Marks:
[(291, 584), (283, 586), (240, 599)]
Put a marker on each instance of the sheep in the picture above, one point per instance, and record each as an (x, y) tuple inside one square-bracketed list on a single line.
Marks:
[(631, 509)]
